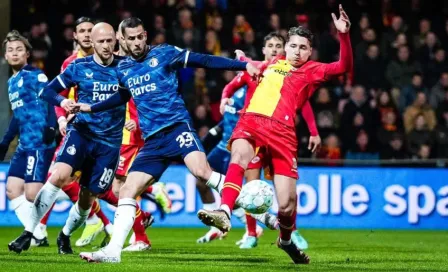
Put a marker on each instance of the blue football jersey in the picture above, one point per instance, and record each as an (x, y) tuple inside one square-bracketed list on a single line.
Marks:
[(153, 83), (96, 83), (231, 115), (31, 113)]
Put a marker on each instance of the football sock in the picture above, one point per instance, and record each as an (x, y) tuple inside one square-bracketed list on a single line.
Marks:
[(72, 190), (232, 186), (76, 218), (39, 231), (100, 213), (124, 218), (42, 204), (286, 224), (44, 219), (251, 224), (138, 227), (22, 208), (216, 181)]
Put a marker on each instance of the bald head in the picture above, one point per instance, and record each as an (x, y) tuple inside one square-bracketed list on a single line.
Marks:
[(101, 29), (103, 39)]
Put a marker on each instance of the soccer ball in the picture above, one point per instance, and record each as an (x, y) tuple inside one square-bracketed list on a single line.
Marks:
[(256, 197)]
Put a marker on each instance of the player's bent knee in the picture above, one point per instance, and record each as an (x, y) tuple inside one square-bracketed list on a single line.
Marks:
[(135, 184), (202, 171)]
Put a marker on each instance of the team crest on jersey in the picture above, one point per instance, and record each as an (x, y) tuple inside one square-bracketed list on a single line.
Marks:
[(89, 75), (71, 150), (153, 62), (20, 83), (125, 73), (42, 78)]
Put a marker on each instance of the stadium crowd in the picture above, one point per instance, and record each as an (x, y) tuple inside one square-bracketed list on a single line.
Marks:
[(394, 105)]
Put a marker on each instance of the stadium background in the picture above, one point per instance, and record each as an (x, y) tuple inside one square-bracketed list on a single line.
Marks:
[(384, 126)]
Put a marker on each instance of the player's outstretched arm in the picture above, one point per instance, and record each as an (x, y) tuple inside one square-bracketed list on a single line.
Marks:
[(196, 60), (117, 99), (345, 63), (11, 132)]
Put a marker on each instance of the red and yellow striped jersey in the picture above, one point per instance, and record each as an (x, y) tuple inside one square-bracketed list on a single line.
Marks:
[(132, 137), (284, 89)]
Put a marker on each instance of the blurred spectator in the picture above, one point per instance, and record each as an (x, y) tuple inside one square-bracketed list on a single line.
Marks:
[(363, 149), (435, 68), (408, 93), (388, 129), (202, 120), (325, 112), (419, 135), (390, 36), (385, 104), (424, 29), (330, 149), (424, 152), (392, 48), (399, 72), (428, 49), (395, 149), (212, 44), (248, 45), (223, 37), (274, 23), (438, 92), (441, 131), (240, 28), (368, 37), (329, 44), (363, 24), (159, 24), (420, 106), (159, 38), (357, 115), (370, 69), (185, 23)]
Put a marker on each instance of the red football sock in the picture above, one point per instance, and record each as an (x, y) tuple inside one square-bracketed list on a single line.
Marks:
[(232, 185), (72, 190), (44, 219), (110, 198), (138, 227), (251, 224), (286, 224), (149, 190)]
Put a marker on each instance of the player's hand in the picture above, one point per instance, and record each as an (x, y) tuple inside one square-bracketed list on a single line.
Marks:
[(252, 70), (130, 125), (239, 54), (63, 125), (343, 23), (68, 105), (222, 106), (83, 107), (314, 143)]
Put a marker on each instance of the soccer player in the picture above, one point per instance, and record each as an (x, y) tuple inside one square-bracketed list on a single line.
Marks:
[(273, 46), (132, 142), (268, 121), (35, 121), (92, 143), (150, 77), (94, 226)]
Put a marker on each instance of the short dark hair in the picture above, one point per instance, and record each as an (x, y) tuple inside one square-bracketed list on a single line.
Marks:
[(131, 22), (301, 31), (273, 34), (15, 35), (83, 19)]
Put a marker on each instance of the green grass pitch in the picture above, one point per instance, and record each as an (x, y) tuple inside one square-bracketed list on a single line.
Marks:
[(176, 250)]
